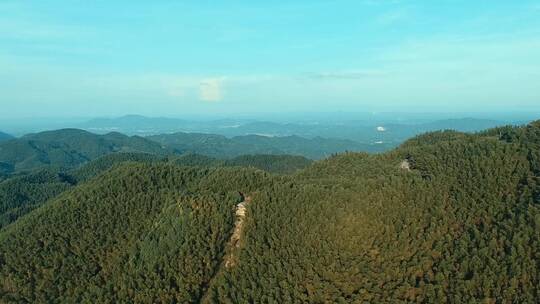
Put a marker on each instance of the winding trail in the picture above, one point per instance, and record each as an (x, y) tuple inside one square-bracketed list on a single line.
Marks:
[(234, 241), (231, 248)]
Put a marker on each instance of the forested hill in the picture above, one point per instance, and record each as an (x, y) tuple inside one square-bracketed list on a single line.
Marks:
[(25, 192), (447, 217), (4, 136), (219, 146), (68, 148)]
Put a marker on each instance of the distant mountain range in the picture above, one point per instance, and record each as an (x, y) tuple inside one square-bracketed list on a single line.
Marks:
[(220, 146), (385, 131)]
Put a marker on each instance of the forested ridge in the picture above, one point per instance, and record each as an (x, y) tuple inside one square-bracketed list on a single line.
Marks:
[(67, 148), (458, 224)]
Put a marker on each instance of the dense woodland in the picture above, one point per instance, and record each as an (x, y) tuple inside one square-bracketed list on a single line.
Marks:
[(24, 192), (269, 163), (459, 223)]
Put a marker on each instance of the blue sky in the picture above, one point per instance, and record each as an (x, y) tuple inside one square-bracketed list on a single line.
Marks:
[(174, 58)]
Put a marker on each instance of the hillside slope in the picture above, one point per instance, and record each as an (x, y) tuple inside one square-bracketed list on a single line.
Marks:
[(459, 226), (117, 228), (22, 193)]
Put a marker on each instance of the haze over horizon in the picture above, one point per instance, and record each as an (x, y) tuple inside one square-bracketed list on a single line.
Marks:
[(177, 59)]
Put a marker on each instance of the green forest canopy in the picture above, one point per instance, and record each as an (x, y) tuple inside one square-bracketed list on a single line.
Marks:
[(460, 225)]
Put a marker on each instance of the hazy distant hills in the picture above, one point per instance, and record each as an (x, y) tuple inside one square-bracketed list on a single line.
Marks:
[(387, 131), (68, 148), (360, 131), (5, 136), (220, 146), (134, 124)]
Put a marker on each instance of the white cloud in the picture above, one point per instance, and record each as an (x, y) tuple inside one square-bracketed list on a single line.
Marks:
[(210, 89), (441, 73)]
